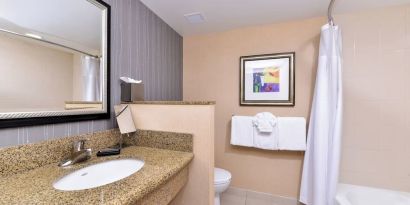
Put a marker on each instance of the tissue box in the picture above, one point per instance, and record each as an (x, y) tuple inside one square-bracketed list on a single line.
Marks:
[(132, 92)]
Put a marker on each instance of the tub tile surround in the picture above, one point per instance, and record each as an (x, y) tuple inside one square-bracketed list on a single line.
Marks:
[(31, 170), (376, 144)]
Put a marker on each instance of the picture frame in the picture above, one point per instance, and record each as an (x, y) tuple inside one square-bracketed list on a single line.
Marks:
[(267, 80)]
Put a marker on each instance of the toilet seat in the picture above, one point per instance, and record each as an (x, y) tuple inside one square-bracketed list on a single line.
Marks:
[(221, 176)]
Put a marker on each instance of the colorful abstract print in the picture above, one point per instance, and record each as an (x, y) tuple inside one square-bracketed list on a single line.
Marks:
[(266, 80)]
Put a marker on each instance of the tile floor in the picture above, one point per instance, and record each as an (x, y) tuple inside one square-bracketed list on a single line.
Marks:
[(236, 196)]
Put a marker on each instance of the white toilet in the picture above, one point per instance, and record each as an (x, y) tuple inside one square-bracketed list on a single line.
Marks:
[(222, 179)]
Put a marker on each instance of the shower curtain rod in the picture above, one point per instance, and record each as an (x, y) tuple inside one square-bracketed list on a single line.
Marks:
[(330, 12), (49, 42)]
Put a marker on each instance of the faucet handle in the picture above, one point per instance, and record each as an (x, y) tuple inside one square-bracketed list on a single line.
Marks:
[(78, 145)]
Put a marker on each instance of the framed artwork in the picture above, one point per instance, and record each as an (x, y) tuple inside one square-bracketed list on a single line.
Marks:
[(268, 79)]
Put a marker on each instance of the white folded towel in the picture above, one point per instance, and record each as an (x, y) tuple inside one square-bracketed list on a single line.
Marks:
[(265, 140), (292, 133), (242, 131), (265, 134), (265, 122)]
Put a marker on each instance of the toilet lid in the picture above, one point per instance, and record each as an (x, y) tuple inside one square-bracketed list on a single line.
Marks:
[(221, 176)]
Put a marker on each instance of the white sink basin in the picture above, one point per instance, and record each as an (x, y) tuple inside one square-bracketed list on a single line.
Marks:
[(98, 174)]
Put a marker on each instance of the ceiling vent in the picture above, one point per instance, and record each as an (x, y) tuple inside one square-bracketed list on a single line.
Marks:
[(195, 18)]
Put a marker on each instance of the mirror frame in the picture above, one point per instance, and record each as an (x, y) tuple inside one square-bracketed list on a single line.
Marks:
[(42, 118)]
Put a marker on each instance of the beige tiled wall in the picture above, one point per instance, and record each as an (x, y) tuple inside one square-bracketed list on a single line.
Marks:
[(376, 140)]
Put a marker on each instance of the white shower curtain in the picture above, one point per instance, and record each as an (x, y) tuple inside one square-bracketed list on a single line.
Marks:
[(322, 157), (92, 78)]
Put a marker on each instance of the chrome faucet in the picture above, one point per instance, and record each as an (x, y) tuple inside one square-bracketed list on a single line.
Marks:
[(78, 154)]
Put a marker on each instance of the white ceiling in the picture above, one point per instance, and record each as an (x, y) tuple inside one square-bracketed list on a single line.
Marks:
[(223, 15), (74, 23)]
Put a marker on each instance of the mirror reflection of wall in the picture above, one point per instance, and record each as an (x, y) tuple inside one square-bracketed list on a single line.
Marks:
[(42, 77), (33, 76), (46, 63)]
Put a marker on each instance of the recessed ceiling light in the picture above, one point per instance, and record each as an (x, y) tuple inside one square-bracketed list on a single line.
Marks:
[(33, 35), (196, 17)]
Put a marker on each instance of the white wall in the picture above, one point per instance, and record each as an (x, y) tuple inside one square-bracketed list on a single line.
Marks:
[(33, 76)]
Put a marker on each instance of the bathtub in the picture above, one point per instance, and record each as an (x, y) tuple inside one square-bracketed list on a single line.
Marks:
[(359, 195)]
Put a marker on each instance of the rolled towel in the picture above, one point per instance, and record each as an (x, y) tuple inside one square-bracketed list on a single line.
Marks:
[(265, 122)]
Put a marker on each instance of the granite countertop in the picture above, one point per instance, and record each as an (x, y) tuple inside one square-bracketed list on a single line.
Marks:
[(172, 102), (35, 186)]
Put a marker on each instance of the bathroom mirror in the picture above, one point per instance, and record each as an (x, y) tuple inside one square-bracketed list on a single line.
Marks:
[(54, 61)]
